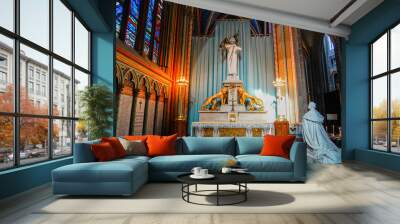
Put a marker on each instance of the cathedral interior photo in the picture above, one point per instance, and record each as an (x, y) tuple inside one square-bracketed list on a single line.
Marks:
[(204, 73), (199, 111)]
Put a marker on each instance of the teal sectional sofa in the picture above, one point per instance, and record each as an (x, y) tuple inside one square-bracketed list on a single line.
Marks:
[(125, 176)]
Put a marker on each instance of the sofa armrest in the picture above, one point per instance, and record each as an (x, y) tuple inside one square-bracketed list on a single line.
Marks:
[(298, 155), (83, 152)]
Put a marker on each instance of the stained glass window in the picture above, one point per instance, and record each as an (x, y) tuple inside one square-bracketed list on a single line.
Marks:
[(157, 29), (119, 12), (149, 27), (132, 24)]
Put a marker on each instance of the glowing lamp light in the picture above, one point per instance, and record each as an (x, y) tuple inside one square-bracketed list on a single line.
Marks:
[(182, 81), (279, 83)]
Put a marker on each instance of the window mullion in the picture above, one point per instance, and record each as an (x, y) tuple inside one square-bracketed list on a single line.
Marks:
[(50, 81), (389, 102), (73, 82), (16, 84)]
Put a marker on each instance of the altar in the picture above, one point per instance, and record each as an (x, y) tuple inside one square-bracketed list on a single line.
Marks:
[(233, 111), (238, 129)]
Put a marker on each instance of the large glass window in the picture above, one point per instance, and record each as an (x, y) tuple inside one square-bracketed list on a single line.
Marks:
[(7, 14), (385, 94), (6, 142), (34, 21), (7, 74), (81, 45), (81, 81), (41, 64), (40, 124), (62, 89), (62, 28)]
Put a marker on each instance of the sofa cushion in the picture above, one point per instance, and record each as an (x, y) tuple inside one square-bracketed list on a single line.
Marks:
[(208, 145), (135, 147), (161, 145), (112, 171), (116, 145), (185, 163), (277, 145), (249, 145), (103, 152), (257, 163)]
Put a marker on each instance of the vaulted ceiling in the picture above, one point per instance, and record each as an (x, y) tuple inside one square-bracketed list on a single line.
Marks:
[(204, 23), (325, 16)]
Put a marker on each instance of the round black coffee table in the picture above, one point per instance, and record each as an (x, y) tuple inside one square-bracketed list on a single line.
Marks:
[(238, 179)]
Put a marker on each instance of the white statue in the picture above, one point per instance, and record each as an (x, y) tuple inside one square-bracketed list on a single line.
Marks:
[(231, 52), (320, 147)]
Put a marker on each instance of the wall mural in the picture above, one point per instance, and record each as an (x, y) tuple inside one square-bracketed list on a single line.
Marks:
[(224, 75), (160, 112), (151, 109), (138, 92), (125, 110), (138, 119)]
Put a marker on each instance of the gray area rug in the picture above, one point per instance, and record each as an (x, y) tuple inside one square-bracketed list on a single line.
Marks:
[(166, 198)]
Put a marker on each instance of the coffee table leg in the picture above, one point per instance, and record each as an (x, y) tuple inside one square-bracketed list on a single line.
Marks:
[(182, 190), (188, 189), (196, 187), (217, 194), (245, 193)]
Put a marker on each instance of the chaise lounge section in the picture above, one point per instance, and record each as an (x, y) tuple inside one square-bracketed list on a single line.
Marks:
[(125, 176)]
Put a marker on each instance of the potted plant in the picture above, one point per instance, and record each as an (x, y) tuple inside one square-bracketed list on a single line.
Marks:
[(96, 104)]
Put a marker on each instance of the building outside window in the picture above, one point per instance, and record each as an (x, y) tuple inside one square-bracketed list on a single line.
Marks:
[(37, 74), (55, 128), (30, 72), (3, 78), (30, 87), (3, 72), (43, 90), (38, 89), (385, 94)]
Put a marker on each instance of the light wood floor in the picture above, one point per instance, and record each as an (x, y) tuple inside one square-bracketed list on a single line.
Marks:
[(377, 188)]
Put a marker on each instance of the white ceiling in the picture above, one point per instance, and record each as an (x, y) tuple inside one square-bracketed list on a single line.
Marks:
[(315, 15), (320, 9)]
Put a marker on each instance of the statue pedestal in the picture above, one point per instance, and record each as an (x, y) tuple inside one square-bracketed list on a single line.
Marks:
[(233, 97)]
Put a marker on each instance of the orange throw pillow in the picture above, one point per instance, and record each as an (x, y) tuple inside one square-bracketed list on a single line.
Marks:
[(103, 152), (116, 145), (277, 145), (136, 137), (161, 145)]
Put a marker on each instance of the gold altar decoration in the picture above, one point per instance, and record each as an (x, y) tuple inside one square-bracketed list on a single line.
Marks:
[(253, 103), (208, 132), (213, 103), (232, 132), (232, 117), (257, 132)]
